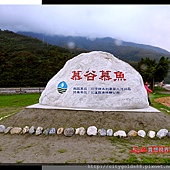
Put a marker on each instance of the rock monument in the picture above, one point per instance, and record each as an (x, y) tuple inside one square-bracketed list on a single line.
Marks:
[(96, 80)]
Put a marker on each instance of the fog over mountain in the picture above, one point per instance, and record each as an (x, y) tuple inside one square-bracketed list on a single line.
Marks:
[(128, 51), (142, 24)]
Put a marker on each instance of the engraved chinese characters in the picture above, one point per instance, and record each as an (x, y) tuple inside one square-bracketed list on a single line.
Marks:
[(96, 80), (90, 76)]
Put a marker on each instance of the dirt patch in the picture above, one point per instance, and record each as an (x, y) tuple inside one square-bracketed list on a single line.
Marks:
[(54, 149), (72, 118), (76, 149), (164, 100)]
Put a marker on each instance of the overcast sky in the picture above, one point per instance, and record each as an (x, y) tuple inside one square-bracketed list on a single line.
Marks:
[(145, 24)]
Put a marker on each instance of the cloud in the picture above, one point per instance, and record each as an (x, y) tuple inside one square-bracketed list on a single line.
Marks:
[(148, 24)]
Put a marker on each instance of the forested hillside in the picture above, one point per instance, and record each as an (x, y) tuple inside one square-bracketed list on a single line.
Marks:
[(27, 61)]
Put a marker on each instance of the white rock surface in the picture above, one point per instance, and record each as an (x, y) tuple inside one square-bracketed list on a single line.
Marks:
[(25, 129), (120, 133), (109, 132), (39, 130), (80, 131), (96, 80), (141, 133), (151, 134), (7, 130), (162, 133), (2, 128), (32, 130), (92, 130)]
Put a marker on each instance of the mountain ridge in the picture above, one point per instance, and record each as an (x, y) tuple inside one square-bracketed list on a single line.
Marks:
[(128, 51)]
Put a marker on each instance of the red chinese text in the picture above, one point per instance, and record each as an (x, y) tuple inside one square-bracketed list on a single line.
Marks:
[(119, 76), (150, 149), (76, 75), (105, 75), (90, 75)]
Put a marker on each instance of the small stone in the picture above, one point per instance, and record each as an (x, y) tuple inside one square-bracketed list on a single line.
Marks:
[(77, 131), (168, 134), (109, 132), (151, 134), (80, 131), (32, 130), (60, 130), (2, 128), (132, 133), (141, 133), (91, 130), (120, 133), (16, 130), (102, 132), (25, 129), (69, 132), (52, 131), (7, 130), (162, 133), (38, 130), (46, 131)]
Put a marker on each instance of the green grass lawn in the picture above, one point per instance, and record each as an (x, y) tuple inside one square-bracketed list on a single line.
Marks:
[(13, 103), (18, 100)]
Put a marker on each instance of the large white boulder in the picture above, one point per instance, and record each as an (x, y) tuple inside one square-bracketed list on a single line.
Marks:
[(96, 80)]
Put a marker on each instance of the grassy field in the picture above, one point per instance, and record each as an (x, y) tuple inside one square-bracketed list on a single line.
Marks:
[(13, 103)]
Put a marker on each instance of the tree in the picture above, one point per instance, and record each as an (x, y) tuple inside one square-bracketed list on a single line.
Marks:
[(152, 71), (162, 68)]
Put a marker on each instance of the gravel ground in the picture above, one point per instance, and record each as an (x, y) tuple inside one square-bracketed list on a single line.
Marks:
[(30, 148)]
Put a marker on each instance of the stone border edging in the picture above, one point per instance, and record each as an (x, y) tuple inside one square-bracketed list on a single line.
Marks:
[(90, 131)]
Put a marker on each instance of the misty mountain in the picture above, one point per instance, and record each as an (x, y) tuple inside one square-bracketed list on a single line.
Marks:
[(127, 51)]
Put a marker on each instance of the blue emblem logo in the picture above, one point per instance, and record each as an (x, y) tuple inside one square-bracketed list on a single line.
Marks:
[(62, 87)]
